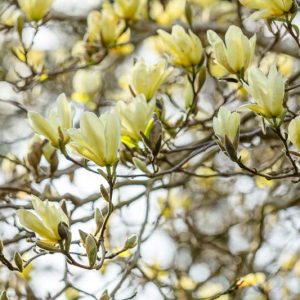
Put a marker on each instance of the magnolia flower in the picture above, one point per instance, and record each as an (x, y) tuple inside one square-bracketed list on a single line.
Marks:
[(134, 117), (147, 79), (45, 219), (55, 127), (35, 10), (86, 84), (237, 55), (105, 26), (294, 132), (185, 48), (127, 9), (267, 91), (227, 124), (269, 8), (98, 139), (167, 13)]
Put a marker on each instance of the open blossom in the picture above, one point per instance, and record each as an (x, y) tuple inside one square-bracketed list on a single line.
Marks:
[(44, 220), (185, 48), (54, 128), (294, 132), (127, 9), (35, 10), (268, 8), (98, 138), (227, 124), (134, 117), (267, 91), (146, 79), (236, 54), (106, 27), (86, 85)]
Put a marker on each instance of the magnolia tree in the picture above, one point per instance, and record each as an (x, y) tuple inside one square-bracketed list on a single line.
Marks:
[(150, 149)]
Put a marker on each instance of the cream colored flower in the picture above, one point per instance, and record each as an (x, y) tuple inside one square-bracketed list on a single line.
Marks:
[(267, 91), (106, 27), (268, 8), (134, 117), (294, 132), (237, 54), (86, 85), (251, 279), (54, 128), (98, 139), (185, 48), (127, 9), (146, 79), (44, 220), (167, 14), (35, 10), (227, 124)]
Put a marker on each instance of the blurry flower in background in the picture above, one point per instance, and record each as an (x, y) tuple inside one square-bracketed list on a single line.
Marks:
[(127, 9), (135, 117), (60, 118), (237, 54), (35, 10), (167, 14), (294, 132), (184, 48), (251, 279), (146, 79), (269, 9), (44, 220), (267, 91), (87, 84), (105, 27), (98, 138)]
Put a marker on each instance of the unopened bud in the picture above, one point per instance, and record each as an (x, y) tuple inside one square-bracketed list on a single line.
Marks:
[(104, 296), (63, 230), (91, 249), (98, 219), (131, 242), (3, 296), (18, 261), (141, 165), (104, 193), (47, 246)]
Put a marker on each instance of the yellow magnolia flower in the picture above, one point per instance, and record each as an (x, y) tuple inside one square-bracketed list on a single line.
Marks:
[(294, 132), (100, 22), (35, 10), (268, 8), (251, 279), (134, 117), (227, 124), (267, 91), (98, 139), (185, 48), (167, 14), (147, 79), (55, 127), (237, 55), (127, 9), (210, 290), (86, 85), (204, 3), (44, 220)]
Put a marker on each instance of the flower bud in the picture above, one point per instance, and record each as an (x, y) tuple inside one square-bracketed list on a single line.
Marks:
[(131, 242)]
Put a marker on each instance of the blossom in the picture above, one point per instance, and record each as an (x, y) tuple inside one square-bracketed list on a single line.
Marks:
[(134, 117), (237, 54), (98, 139), (185, 48), (147, 79), (294, 132), (54, 128), (268, 8), (44, 220), (35, 10), (267, 91), (227, 124)]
